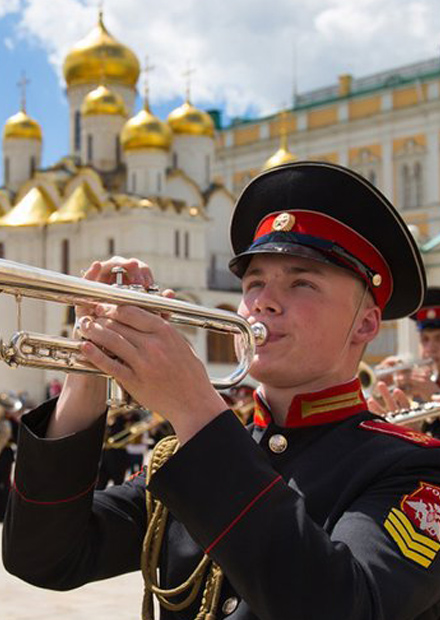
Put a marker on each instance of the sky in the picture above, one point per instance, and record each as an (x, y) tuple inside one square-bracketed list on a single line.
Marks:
[(247, 56)]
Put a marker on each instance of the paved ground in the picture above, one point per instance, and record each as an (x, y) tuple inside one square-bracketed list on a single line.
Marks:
[(114, 599)]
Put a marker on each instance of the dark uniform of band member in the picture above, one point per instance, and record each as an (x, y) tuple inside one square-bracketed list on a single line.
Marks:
[(428, 325), (332, 514)]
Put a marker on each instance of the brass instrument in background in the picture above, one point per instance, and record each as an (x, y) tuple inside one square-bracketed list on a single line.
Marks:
[(133, 431), (57, 353), (419, 412), (368, 375)]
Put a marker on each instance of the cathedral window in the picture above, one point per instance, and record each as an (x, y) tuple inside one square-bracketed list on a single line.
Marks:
[(133, 182), (111, 247), (174, 160), (65, 256), (32, 166), (159, 182), (2, 250), (177, 243), (118, 151), (77, 130), (6, 169), (186, 244), (221, 346), (207, 169), (89, 148)]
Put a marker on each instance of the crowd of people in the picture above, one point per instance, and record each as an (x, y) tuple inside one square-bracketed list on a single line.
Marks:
[(317, 508)]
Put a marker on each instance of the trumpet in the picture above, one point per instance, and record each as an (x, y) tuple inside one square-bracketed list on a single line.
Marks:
[(59, 353)]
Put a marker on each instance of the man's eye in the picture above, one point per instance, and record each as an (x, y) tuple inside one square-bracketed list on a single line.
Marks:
[(253, 284), (302, 283)]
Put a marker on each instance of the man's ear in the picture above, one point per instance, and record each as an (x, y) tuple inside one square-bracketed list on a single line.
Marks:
[(368, 326)]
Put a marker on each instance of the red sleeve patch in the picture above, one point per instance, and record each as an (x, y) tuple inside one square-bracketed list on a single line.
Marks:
[(421, 439)]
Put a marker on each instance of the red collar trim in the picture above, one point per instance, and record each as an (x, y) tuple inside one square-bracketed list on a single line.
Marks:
[(330, 405)]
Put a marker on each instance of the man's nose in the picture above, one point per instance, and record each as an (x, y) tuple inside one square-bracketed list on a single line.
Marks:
[(267, 302)]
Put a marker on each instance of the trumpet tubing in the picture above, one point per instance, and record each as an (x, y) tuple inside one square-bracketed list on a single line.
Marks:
[(57, 353)]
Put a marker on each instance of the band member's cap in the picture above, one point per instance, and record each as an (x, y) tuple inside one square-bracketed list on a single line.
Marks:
[(331, 214), (428, 315)]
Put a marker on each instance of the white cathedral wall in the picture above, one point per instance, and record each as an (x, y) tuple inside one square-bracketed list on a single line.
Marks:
[(105, 130), (179, 188), (20, 152), (195, 156), (24, 246), (146, 171)]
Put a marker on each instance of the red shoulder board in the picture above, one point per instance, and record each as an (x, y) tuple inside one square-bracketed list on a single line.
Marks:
[(422, 439)]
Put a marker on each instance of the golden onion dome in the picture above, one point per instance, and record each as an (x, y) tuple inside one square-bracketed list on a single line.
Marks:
[(79, 205), (34, 209), (187, 119), (99, 55), (145, 131), (102, 100), (21, 125), (282, 156)]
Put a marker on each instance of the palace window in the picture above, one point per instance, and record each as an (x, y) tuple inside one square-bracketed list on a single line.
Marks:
[(411, 184)]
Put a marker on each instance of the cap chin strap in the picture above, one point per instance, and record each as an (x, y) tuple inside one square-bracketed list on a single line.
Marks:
[(353, 322)]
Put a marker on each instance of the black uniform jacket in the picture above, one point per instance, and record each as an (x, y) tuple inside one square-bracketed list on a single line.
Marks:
[(343, 524)]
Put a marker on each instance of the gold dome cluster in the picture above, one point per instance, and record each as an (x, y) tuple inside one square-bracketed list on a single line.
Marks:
[(100, 56), (22, 126), (187, 119), (145, 131), (102, 100)]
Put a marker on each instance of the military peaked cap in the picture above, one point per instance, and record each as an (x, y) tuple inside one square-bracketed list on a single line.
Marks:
[(330, 213), (428, 315)]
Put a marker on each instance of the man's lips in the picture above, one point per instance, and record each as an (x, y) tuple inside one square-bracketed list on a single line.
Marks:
[(274, 336)]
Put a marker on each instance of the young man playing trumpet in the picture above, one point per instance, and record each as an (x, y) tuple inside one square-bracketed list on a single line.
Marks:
[(319, 509)]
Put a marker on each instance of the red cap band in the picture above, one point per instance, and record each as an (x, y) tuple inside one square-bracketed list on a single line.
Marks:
[(321, 226), (428, 313)]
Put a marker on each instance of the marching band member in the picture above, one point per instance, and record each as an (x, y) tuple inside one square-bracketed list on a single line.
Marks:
[(319, 509)]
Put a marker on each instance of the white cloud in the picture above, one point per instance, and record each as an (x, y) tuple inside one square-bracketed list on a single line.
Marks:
[(242, 50), (9, 6)]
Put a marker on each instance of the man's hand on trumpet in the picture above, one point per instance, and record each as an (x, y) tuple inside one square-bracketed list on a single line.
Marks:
[(83, 397), (154, 363), (148, 357)]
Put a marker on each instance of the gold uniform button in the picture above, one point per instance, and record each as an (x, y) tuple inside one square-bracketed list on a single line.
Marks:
[(278, 443), (284, 222), (230, 605)]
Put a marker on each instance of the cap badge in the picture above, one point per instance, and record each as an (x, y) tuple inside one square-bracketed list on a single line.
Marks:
[(284, 222), (377, 279), (431, 314)]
